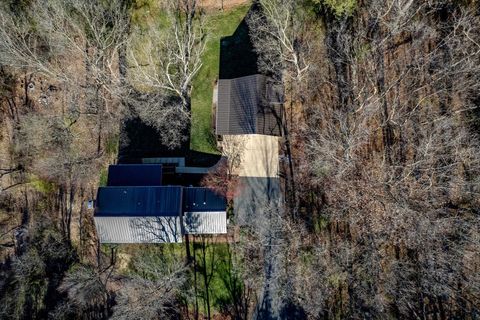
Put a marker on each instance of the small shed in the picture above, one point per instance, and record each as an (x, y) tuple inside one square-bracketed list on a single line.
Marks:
[(135, 175), (204, 212), (139, 214)]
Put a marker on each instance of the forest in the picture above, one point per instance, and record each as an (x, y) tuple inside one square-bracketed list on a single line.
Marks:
[(379, 159)]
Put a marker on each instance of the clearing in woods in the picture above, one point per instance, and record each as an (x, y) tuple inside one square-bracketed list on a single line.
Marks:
[(220, 24)]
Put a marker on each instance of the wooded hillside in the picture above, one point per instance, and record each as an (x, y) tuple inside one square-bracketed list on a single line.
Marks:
[(380, 159)]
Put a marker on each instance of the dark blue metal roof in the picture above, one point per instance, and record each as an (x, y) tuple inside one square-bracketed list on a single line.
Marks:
[(139, 201), (135, 175), (197, 199)]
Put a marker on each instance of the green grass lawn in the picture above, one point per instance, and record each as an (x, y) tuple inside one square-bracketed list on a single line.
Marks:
[(220, 24), (219, 294)]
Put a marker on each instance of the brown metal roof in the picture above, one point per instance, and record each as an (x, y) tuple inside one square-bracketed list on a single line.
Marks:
[(248, 105)]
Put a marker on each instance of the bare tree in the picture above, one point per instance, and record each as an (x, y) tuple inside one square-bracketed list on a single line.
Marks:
[(393, 169), (163, 113), (153, 292), (87, 31), (223, 178), (221, 181), (87, 287), (94, 33), (271, 244), (170, 58), (232, 148), (276, 32), (19, 47)]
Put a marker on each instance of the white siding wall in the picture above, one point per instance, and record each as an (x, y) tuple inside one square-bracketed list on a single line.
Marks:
[(205, 222), (138, 229)]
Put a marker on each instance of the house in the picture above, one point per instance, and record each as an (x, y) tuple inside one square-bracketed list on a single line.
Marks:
[(134, 207)]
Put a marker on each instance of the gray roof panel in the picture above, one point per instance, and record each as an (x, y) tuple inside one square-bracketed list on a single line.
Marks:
[(242, 107), (138, 229), (205, 222)]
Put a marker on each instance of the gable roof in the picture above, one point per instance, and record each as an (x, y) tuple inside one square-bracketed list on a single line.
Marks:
[(135, 175), (248, 105), (139, 201)]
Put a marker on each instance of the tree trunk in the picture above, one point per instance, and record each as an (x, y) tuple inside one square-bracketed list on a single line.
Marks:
[(205, 276)]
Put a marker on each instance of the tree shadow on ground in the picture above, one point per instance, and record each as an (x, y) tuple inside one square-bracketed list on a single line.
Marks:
[(143, 141), (139, 140), (237, 55)]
